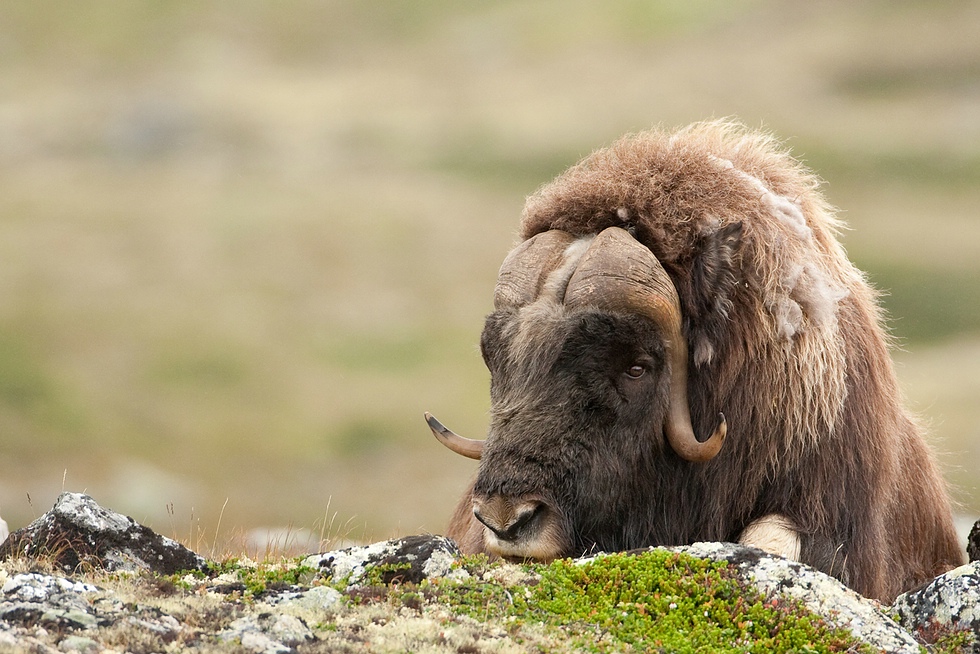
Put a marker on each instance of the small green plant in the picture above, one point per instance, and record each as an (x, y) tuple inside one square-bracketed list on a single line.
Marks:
[(257, 578), (951, 642)]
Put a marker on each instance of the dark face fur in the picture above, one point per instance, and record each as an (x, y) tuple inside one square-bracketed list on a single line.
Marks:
[(578, 401)]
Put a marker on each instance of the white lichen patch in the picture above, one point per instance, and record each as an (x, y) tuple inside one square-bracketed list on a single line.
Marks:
[(34, 587), (316, 601), (444, 564), (509, 574), (952, 600), (351, 564), (433, 629), (430, 557), (83, 511)]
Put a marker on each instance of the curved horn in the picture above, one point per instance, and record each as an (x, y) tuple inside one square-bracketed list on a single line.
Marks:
[(524, 271), (469, 448), (619, 273)]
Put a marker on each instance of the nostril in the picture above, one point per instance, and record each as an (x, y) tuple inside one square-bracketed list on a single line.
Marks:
[(525, 515), (486, 522), (505, 518)]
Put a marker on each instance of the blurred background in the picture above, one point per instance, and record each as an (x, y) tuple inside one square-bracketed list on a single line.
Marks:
[(244, 245)]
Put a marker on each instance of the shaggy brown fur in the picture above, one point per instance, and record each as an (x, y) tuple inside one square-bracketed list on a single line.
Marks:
[(785, 336)]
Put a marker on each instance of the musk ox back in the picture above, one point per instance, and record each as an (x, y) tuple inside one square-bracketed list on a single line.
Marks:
[(680, 350)]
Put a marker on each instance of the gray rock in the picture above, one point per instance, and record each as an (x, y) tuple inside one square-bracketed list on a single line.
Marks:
[(36, 600), (77, 531), (825, 596), (316, 599), (269, 633), (973, 542), (949, 603), (156, 622), (78, 644), (34, 587), (409, 559)]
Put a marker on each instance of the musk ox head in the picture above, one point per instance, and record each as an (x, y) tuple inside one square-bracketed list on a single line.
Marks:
[(588, 388)]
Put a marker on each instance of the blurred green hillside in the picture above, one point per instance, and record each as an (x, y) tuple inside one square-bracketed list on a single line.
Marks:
[(243, 246)]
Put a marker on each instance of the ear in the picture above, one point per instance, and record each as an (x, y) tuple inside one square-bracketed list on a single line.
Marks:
[(715, 273)]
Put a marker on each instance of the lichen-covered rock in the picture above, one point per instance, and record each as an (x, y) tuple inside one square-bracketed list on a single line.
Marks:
[(950, 603), (268, 633), (973, 542), (827, 597), (79, 644), (316, 599), (43, 601), (77, 531), (409, 559)]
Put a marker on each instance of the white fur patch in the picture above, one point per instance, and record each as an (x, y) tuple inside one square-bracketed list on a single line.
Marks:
[(786, 210), (704, 352), (775, 534), (808, 294), (725, 163), (817, 295)]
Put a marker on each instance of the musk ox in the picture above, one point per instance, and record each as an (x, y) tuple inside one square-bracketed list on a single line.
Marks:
[(681, 351)]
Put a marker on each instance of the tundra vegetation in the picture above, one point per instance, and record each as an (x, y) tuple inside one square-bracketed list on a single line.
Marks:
[(655, 601), (82, 577)]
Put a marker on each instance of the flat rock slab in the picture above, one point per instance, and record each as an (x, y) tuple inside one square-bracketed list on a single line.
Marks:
[(78, 532)]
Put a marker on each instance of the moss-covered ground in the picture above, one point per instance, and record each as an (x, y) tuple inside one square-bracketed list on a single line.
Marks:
[(654, 601)]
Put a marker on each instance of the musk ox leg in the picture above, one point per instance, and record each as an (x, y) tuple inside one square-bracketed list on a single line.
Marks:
[(773, 533)]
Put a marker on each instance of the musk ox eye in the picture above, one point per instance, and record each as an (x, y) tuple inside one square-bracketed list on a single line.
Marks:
[(636, 371)]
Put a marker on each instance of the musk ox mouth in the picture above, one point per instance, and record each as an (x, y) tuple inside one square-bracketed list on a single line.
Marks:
[(520, 529)]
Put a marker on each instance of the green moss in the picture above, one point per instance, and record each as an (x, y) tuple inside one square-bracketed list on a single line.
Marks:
[(653, 601)]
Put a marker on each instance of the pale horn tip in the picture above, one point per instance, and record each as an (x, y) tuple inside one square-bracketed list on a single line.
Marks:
[(722, 429), (471, 449)]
